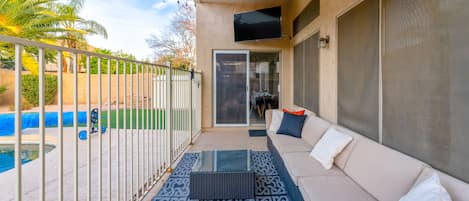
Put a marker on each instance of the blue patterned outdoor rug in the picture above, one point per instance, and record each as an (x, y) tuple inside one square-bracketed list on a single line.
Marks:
[(269, 186)]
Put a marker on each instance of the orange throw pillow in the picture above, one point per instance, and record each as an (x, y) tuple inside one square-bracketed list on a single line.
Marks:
[(299, 112)]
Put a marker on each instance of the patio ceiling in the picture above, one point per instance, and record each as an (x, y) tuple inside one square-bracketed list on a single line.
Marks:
[(245, 2)]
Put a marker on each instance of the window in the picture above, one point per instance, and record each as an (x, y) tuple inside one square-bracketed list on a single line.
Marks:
[(306, 74), (425, 82), (309, 13), (358, 69)]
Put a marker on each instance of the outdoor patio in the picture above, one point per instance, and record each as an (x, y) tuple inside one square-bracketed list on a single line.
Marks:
[(353, 100)]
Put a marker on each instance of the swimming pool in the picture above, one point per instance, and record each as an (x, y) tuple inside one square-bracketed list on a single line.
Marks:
[(28, 154), (31, 120)]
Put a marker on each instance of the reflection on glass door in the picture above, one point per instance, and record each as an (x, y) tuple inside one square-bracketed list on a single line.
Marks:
[(264, 84), (231, 88)]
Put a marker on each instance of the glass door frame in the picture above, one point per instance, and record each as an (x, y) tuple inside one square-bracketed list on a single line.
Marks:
[(244, 52)]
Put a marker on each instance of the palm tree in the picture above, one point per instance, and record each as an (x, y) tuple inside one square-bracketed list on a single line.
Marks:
[(45, 21), (77, 27), (30, 19)]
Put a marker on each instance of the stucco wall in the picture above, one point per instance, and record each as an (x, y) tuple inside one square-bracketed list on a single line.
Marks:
[(215, 32), (7, 78)]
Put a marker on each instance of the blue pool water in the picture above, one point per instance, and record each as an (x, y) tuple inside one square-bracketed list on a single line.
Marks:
[(28, 154), (31, 120)]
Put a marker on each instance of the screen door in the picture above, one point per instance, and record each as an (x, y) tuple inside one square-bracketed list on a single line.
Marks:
[(231, 88)]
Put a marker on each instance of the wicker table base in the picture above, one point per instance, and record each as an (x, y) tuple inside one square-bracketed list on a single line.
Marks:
[(219, 175)]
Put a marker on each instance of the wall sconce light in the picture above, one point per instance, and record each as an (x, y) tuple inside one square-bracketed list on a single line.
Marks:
[(323, 42)]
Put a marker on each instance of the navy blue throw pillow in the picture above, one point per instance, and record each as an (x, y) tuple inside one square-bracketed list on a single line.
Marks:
[(292, 125)]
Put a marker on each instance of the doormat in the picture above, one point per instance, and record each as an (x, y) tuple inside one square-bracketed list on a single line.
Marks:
[(257, 133)]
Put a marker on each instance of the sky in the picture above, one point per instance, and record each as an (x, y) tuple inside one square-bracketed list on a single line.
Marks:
[(129, 23)]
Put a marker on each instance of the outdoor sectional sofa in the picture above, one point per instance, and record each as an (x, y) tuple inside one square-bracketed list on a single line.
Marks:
[(364, 170)]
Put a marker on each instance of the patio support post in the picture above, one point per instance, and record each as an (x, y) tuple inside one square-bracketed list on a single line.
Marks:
[(169, 121)]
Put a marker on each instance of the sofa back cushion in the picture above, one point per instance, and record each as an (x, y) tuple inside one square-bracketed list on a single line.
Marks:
[(342, 158), (384, 173), (313, 129), (457, 189), (275, 120)]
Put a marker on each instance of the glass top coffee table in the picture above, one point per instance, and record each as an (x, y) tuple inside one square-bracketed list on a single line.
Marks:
[(227, 174)]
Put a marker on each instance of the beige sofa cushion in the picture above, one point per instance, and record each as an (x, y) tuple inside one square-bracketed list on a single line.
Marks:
[(458, 190), (287, 144), (332, 188), (313, 129), (384, 173), (300, 164)]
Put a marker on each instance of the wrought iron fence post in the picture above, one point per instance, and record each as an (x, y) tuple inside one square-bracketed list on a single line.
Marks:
[(190, 107), (169, 116)]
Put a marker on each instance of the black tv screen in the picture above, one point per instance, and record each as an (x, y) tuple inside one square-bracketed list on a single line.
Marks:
[(259, 24)]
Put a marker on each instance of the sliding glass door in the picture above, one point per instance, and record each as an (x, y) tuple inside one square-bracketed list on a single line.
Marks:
[(231, 88), (264, 77)]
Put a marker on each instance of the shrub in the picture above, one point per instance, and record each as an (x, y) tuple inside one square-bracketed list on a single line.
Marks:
[(3, 88), (30, 88), (25, 105)]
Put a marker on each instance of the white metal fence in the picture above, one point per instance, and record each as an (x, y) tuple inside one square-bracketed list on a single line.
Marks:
[(148, 127)]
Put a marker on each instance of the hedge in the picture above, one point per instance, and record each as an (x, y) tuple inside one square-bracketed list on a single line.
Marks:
[(30, 88), (3, 88)]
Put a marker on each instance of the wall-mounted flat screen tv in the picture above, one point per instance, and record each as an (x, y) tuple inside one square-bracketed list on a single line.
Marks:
[(260, 24)]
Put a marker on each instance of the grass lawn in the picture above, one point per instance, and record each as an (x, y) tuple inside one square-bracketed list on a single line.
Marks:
[(159, 119)]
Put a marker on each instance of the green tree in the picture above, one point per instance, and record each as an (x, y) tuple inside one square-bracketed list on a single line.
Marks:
[(104, 62), (76, 26)]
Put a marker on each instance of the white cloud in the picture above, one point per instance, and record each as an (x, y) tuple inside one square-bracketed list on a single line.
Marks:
[(160, 5), (128, 26)]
